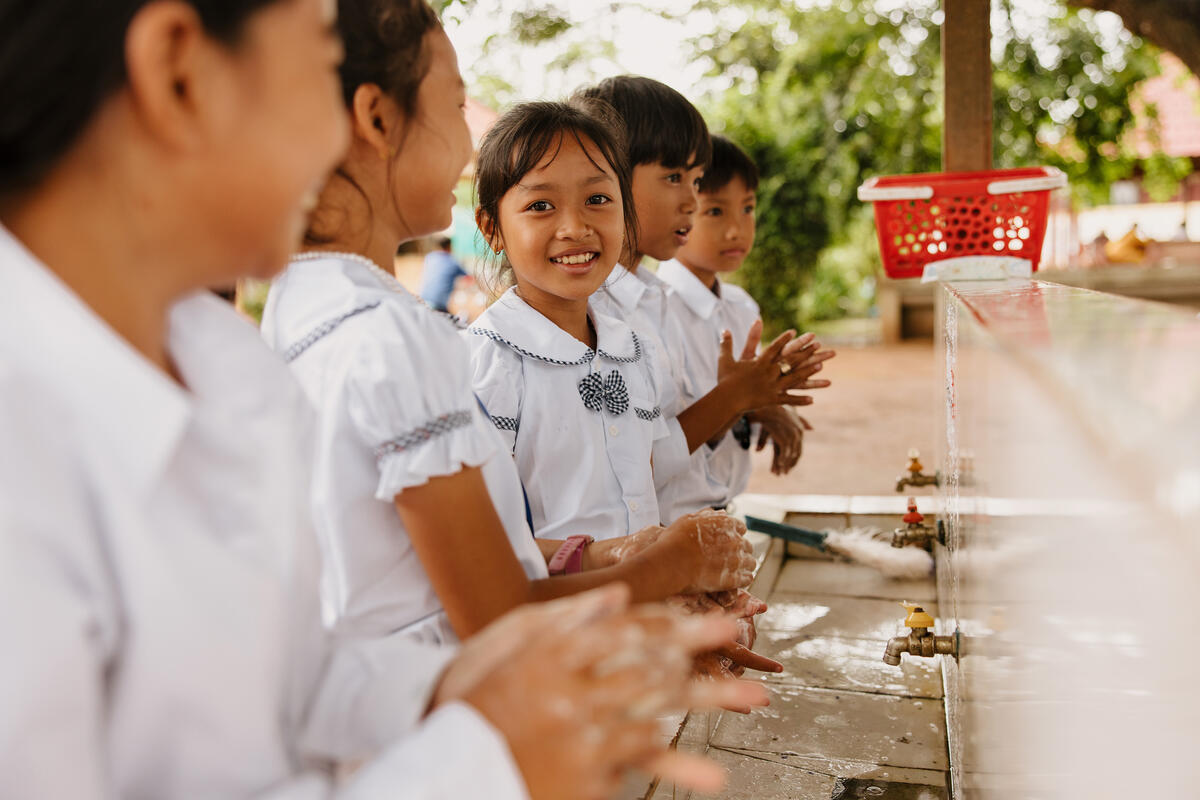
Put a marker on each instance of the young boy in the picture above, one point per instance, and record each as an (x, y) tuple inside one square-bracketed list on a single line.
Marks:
[(669, 147), (721, 238)]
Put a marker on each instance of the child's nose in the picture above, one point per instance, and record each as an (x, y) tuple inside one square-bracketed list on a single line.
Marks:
[(572, 225)]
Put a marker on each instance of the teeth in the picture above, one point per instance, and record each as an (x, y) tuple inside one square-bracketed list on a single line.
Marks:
[(581, 258)]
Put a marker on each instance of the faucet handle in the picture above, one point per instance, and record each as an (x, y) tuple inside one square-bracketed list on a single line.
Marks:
[(913, 516), (917, 617), (914, 461)]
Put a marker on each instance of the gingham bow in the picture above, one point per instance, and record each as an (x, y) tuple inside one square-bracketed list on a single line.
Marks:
[(608, 392)]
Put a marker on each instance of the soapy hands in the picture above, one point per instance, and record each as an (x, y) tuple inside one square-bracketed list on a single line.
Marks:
[(710, 550), (575, 685), (787, 364)]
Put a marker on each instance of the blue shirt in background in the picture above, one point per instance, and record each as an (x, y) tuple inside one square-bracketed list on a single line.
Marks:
[(437, 279)]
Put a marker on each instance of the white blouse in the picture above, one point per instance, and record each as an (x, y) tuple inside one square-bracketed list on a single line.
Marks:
[(391, 382), (640, 299), (717, 475), (158, 601), (581, 423)]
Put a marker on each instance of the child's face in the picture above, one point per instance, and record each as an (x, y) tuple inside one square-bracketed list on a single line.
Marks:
[(436, 145), (276, 126), (722, 230), (562, 225), (665, 198)]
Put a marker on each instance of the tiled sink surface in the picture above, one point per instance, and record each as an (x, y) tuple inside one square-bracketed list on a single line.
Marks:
[(882, 729), (837, 615), (849, 580), (847, 664), (841, 722)]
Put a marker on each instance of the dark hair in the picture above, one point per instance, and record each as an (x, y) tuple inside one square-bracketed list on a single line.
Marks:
[(443, 242), (728, 162), (60, 60), (523, 136), (383, 46), (660, 124), (383, 40)]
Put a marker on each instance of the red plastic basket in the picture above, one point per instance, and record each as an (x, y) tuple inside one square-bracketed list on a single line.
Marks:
[(940, 215)]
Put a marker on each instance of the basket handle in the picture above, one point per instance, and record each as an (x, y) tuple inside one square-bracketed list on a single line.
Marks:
[(1028, 184), (871, 194)]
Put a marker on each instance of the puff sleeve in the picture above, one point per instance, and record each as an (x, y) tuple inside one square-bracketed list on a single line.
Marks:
[(407, 393)]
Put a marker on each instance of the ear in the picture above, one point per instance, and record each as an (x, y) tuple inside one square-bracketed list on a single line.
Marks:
[(168, 59), (375, 119), (491, 232)]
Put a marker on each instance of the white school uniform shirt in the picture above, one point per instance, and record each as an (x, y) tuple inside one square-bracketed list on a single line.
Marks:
[(585, 463), (719, 474), (640, 299), (391, 382), (158, 601)]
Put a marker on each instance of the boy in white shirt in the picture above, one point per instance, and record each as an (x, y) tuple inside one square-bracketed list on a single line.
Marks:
[(703, 307)]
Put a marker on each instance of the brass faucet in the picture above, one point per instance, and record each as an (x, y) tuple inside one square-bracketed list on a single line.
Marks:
[(915, 532), (920, 641), (915, 476)]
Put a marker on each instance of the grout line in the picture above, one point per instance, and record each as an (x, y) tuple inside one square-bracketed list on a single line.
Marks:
[(863, 692)]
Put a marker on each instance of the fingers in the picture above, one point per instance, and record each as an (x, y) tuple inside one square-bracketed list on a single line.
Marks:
[(748, 658), (727, 693), (801, 342), (687, 770), (763, 436), (753, 339), (726, 353), (771, 353), (804, 423), (786, 399)]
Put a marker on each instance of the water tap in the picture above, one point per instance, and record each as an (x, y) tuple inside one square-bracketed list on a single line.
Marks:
[(915, 532), (915, 476), (920, 641)]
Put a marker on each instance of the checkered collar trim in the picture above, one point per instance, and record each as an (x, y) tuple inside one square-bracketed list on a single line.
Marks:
[(517, 325)]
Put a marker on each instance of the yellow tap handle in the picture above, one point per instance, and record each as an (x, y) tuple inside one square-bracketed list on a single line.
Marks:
[(917, 618)]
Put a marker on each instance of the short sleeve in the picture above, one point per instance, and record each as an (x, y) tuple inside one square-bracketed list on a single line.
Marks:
[(407, 394), (498, 381)]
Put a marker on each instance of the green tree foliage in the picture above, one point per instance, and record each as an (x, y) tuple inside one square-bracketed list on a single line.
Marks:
[(826, 96)]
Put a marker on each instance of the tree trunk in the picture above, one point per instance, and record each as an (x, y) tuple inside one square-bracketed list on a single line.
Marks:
[(1173, 25)]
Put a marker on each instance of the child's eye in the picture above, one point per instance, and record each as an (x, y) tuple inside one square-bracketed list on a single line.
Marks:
[(599, 199), (674, 177), (539, 205), (749, 209), (712, 212)]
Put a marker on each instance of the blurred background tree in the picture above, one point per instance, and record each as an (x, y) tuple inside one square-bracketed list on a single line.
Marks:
[(828, 96)]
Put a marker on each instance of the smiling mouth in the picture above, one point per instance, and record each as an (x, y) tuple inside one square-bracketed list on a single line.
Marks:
[(576, 261), (682, 233)]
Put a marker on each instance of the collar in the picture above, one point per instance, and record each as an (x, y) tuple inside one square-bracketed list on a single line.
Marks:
[(317, 288), (695, 295), (626, 288), (120, 405), (522, 328)]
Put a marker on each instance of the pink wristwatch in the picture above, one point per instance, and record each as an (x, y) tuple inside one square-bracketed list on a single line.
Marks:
[(568, 558)]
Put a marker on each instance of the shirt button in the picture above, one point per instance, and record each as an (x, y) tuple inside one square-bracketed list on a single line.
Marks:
[(613, 431), (633, 505)]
